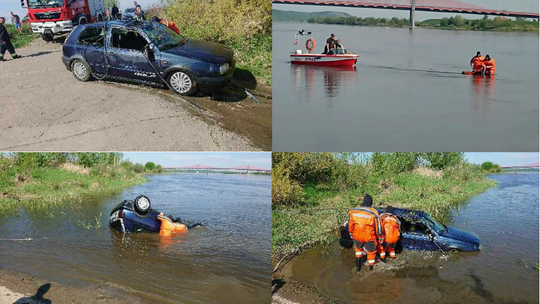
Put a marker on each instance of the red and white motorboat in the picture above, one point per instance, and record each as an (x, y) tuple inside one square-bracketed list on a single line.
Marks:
[(339, 56)]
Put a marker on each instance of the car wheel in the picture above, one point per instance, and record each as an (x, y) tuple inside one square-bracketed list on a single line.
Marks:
[(183, 83), (81, 19), (142, 205), (81, 70)]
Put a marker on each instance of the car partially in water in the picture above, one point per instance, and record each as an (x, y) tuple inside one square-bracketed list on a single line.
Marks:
[(149, 53), (419, 231)]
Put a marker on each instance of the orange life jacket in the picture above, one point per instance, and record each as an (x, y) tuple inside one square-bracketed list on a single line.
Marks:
[(168, 227), (477, 61), (490, 64), (364, 224), (170, 25), (391, 225)]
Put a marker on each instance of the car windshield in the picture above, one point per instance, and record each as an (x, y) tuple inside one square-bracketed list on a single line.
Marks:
[(438, 227), (129, 10), (163, 37), (45, 3)]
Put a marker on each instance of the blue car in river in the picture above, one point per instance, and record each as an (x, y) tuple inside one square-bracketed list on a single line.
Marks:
[(146, 52), (421, 232)]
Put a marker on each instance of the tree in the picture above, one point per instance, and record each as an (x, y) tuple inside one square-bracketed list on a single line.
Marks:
[(150, 166), (443, 160), (111, 3), (444, 21), (458, 20)]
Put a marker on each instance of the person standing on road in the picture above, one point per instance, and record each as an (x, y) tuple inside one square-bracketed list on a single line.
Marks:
[(5, 42), (391, 227), (365, 230), (15, 19)]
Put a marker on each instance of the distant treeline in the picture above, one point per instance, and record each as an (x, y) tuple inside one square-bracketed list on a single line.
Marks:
[(278, 15), (457, 22)]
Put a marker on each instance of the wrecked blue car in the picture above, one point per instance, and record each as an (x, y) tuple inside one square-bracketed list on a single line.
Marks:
[(148, 53), (421, 232)]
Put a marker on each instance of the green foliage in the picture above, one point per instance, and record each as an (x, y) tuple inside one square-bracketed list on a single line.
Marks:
[(138, 168), (490, 167), (110, 3), (442, 160), (150, 166), (393, 162), (19, 40), (285, 191), (159, 169), (464, 172)]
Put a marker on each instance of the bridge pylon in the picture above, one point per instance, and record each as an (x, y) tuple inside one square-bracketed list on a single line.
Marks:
[(413, 7)]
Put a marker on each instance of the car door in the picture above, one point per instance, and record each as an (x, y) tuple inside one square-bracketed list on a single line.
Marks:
[(415, 235), (126, 57), (91, 41)]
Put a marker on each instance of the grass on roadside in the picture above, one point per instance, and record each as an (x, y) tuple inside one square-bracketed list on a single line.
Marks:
[(19, 40), (295, 228)]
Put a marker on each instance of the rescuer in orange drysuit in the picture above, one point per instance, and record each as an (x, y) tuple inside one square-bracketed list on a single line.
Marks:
[(477, 62), (365, 230), (168, 24), (391, 227), (168, 226), (490, 65)]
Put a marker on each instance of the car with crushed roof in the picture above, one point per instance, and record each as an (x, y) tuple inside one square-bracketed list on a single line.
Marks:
[(419, 231), (149, 53)]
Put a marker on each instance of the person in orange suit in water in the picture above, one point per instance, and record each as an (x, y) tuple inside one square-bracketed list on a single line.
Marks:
[(366, 231), (168, 227), (391, 227), (489, 64), (477, 63)]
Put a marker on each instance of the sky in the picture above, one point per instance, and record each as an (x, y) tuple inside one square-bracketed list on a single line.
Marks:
[(218, 159), (529, 6), (503, 159)]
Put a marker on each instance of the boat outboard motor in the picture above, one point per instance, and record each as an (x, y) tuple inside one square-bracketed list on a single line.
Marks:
[(142, 205)]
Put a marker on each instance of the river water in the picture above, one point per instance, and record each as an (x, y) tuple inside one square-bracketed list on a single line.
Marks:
[(406, 92), (226, 261), (506, 220)]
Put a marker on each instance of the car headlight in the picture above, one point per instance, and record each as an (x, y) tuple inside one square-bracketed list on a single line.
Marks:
[(223, 68)]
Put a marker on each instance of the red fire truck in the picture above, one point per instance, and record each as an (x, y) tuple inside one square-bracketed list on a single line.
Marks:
[(52, 18)]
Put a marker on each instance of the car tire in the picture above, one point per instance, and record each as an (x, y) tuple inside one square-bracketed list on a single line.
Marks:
[(182, 82), (142, 205), (81, 70), (82, 19)]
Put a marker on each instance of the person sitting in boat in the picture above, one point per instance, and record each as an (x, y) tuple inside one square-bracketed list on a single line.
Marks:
[(331, 44), (489, 64), (477, 63)]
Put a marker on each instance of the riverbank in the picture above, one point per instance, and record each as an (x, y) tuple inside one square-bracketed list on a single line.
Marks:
[(295, 228), (21, 288), (48, 186)]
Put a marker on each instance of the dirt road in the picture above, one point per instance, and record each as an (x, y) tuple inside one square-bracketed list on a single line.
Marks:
[(45, 108)]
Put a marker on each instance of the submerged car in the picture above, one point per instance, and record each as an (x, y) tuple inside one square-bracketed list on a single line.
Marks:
[(135, 216), (421, 232), (148, 53)]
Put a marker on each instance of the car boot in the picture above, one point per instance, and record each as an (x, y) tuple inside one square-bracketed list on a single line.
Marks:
[(358, 264)]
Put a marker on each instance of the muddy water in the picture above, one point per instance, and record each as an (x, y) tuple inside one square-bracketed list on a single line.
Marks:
[(506, 220), (226, 261)]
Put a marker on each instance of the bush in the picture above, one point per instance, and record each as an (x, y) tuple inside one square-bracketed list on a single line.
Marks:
[(284, 190), (223, 20), (159, 169), (442, 160), (490, 167), (138, 168), (393, 162), (463, 172)]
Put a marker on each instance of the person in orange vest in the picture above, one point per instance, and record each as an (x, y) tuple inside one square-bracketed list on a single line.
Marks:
[(168, 24), (168, 226), (391, 227), (490, 65), (477, 62), (365, 230)]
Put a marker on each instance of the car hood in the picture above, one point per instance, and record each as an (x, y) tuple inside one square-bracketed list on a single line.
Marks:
[(461, 235), (203, 50)]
